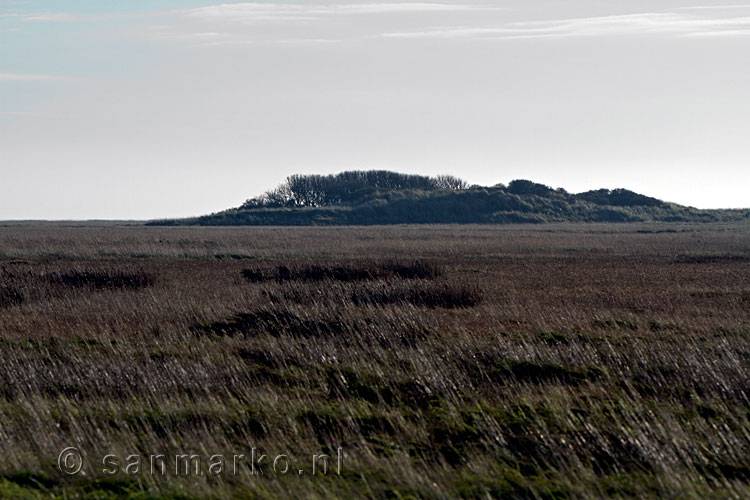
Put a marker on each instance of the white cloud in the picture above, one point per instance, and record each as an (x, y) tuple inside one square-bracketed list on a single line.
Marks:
[(716, 7), (628, 24), (56, 17), (379, 8), (647, 23), (167, 33), (256, 13), (718, 34), (267, 12), (453, 32), (260, 23), (216, 39)]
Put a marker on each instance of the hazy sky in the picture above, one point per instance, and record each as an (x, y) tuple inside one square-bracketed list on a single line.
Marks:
[(157, 108)]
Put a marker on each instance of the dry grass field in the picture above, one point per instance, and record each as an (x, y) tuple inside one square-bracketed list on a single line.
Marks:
[(539, 362)]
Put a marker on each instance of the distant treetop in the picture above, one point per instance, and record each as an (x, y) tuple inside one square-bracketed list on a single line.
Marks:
[(347, 188), (358, 187)]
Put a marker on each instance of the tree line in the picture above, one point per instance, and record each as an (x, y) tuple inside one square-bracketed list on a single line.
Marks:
[(348, 188)]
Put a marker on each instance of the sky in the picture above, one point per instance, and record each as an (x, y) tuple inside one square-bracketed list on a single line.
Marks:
[(142, 109)]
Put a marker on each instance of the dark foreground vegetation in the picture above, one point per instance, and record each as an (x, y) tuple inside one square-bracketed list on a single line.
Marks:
[(518, 362), (383, 197)]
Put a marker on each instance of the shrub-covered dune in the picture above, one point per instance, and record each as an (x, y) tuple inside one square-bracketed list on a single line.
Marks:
[(382, 197)]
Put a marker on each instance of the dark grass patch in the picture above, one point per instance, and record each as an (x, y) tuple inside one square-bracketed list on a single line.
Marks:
[(164, 424), (710, 258), (510, 484), (282, 323), (501, 371), (16, 262), (346, 273), (614, 455), (421, 295), (255, 275), (36, 480), (415, 270), (279, 377), (455, 439), (646, 386), (734, 471), (622, 324), (554, 338), (275, 323), (258, 357), (115, 487), (233, 256), (343, 381), (708, 412), (83, 488), (606, 453), (10, 296), (540, 373), (415, 395), (325, 422), (108, 279), (664, 381), (333, 423)]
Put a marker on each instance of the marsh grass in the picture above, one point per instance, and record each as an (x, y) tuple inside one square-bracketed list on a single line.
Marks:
[(10, 296), (101, 279), (362, 271), (575, 363)]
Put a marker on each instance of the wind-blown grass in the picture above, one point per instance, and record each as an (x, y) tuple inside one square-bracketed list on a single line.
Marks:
[(566, 362)]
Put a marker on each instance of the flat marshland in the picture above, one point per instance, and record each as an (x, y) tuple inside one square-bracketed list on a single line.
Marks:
[(540, 362)]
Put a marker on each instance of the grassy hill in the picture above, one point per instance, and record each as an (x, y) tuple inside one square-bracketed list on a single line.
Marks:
[(382, 197)]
